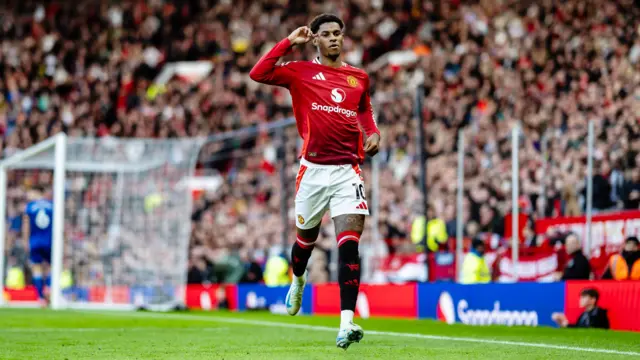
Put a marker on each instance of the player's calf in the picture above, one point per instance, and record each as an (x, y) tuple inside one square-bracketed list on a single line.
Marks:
[(348, 274), (40, 258), (349, 227), (300, 254), (38, 280), (349, 279)]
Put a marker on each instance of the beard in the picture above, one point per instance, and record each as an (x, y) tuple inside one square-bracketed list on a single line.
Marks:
[(332, 54)]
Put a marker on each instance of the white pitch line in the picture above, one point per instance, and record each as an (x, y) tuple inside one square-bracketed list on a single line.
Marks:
[(379, 333), (142, 328)]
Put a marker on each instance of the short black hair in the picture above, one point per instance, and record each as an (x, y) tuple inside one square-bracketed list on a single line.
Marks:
[(477, 242), (39, 188), (591, 292), (323, 19), (633, 239)]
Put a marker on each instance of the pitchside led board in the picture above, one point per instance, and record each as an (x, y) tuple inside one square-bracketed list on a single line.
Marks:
[(260, 297), (521, 304), (524, 304), (620, 298)]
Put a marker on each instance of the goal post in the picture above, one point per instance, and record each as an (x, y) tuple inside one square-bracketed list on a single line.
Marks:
[(121, 217), (58, 142)]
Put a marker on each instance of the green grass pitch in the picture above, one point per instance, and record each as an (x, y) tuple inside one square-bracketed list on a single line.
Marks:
[(46, 334)]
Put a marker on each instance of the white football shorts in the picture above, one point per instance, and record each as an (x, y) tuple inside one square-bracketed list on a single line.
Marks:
[(337, 188)]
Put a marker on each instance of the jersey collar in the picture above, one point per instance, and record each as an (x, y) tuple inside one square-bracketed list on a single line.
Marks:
[(317, 61)]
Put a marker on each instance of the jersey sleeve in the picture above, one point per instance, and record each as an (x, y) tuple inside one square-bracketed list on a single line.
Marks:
[(366, 117), (267, 72)]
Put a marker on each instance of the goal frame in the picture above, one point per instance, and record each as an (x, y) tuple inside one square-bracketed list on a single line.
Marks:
[(61, 164), (59, 143)]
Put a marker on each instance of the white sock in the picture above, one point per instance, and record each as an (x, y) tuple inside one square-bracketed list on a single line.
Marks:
[(346, 318)]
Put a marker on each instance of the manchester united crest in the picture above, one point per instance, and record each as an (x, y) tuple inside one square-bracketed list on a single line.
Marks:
[(300, 219), (353, 82)]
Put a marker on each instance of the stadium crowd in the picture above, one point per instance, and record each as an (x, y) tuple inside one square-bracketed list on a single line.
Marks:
[(88, 68)]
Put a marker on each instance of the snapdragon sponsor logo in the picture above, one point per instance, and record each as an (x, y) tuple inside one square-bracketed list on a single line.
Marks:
[(333, 109), (495, 316), (338, 95), (445, 309)]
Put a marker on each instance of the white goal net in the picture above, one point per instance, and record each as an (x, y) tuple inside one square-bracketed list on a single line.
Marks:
[(122, 237)]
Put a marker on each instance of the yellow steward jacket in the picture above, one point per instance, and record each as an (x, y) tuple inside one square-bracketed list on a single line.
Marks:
[(475, 269), (436, 233), (276, 272), (15, 278)]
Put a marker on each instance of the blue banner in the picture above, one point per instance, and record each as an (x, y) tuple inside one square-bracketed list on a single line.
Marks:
[(261, 297), (76, 294), (145, 295), (528, 304)]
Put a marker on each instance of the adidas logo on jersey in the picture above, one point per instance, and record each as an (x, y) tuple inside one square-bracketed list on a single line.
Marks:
[(319, 76), (362, 206)]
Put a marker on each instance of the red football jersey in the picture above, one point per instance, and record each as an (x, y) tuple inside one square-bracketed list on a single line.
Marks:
[(330, 105)]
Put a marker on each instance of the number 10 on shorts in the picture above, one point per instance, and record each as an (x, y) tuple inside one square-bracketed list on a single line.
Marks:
[(359, 191)]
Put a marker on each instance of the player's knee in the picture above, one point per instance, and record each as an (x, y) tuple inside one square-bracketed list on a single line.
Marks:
[(310, 233), (306, 244)]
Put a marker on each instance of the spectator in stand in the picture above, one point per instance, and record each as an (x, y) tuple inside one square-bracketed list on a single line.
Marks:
[(593, 315), (490, 222), (602, 189), (570, 202), (222, 301), (436, 231), (15, 275), (199, 272), (626, 265), (578, 267), (631, 191), (474, 266), (253, 270), (531, 239), (276, 272)]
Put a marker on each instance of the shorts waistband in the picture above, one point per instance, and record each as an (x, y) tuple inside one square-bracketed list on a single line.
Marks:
[(309, 164)]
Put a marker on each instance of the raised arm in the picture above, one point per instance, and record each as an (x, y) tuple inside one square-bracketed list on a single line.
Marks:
[(267, 72)]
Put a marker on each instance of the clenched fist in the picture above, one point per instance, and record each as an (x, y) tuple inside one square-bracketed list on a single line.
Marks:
[(372, 145)]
